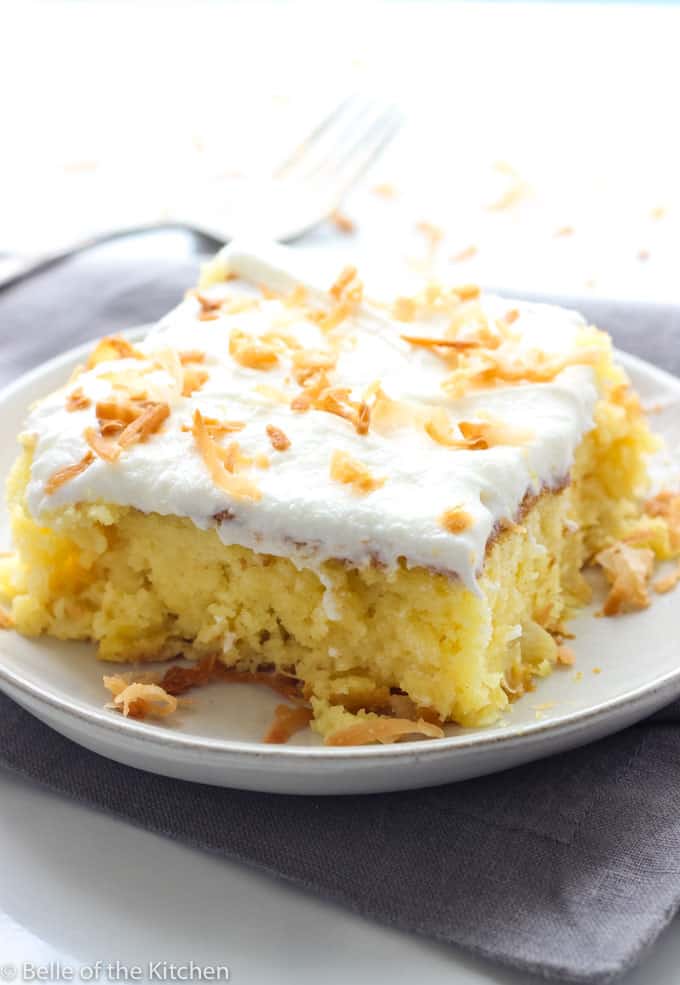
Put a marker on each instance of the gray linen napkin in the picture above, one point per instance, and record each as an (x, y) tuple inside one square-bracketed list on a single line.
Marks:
[(569, 867)]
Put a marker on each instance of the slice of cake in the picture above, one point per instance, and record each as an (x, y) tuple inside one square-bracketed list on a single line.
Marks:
[(386, 505)]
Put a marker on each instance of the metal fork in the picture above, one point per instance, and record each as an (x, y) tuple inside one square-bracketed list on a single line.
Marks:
[(302, 191)]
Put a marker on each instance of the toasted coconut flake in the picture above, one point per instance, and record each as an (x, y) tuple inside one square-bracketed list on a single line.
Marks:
[(191, 356), (384, 190), (207, 304), (468, 292), (308, 362), (666, 504), (76, 400), (280, 340), (667, 582), (314, 386), (493, 432), (105, 447), (119, 410), (113, 347), (384, 730), (58, 478), (6, 621), (426, 342), (272, 393), (456, 520), (351, 472), (342, 222), (251, 352), (279, 440), (287, 687), (563, 231), (565, 656), (148, 423), (177, 679), (388, 414), (287, 721), (319, 395), (139, 700), (297, 297), (628, 570), (237, 305), (193, 380), (467, 254), (405, 309), (433, 234), (217, 429), (347, 286), (505, 365), (438, 426), (213, 455), (513, 195), (511, 316), (363, 419)]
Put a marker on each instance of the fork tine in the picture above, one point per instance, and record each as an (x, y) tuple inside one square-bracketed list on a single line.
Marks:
[(347, 166), (312, 139)]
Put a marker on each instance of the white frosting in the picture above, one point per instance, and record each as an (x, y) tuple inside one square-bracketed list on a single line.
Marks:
[(303, 513)]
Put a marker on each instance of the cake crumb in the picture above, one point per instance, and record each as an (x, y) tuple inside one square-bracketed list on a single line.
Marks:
[(6, 621), (565, 656), (597, 670)]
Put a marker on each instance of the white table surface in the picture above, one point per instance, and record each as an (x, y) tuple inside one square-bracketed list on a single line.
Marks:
[(79, 887), (573, 104)]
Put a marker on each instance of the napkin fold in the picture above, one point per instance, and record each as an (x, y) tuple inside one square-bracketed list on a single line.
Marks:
[(569, 867)]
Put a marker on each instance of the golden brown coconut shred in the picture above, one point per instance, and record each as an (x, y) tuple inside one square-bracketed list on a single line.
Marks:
[(287, 721), (221, 464), (279, 440), (628, 570), (148, 421), (139, 700), (383, 730), (58, 478), (349, 471)]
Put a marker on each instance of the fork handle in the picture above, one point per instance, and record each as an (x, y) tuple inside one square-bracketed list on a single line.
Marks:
[(26, 267)]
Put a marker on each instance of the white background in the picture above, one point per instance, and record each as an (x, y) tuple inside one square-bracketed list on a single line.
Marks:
[(119, 112)]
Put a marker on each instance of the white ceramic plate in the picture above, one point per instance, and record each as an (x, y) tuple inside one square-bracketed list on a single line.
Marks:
[(626, 668)]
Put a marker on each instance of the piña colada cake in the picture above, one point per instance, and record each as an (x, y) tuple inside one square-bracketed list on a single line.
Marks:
[(383, 508)]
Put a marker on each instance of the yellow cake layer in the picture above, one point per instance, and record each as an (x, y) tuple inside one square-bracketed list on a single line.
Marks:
[(144, 587)]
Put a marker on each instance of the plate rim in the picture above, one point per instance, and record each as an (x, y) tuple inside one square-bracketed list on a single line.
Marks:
[(476, 740)]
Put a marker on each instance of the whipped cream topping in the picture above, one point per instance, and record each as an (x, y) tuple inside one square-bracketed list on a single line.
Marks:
[(303, 513)]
